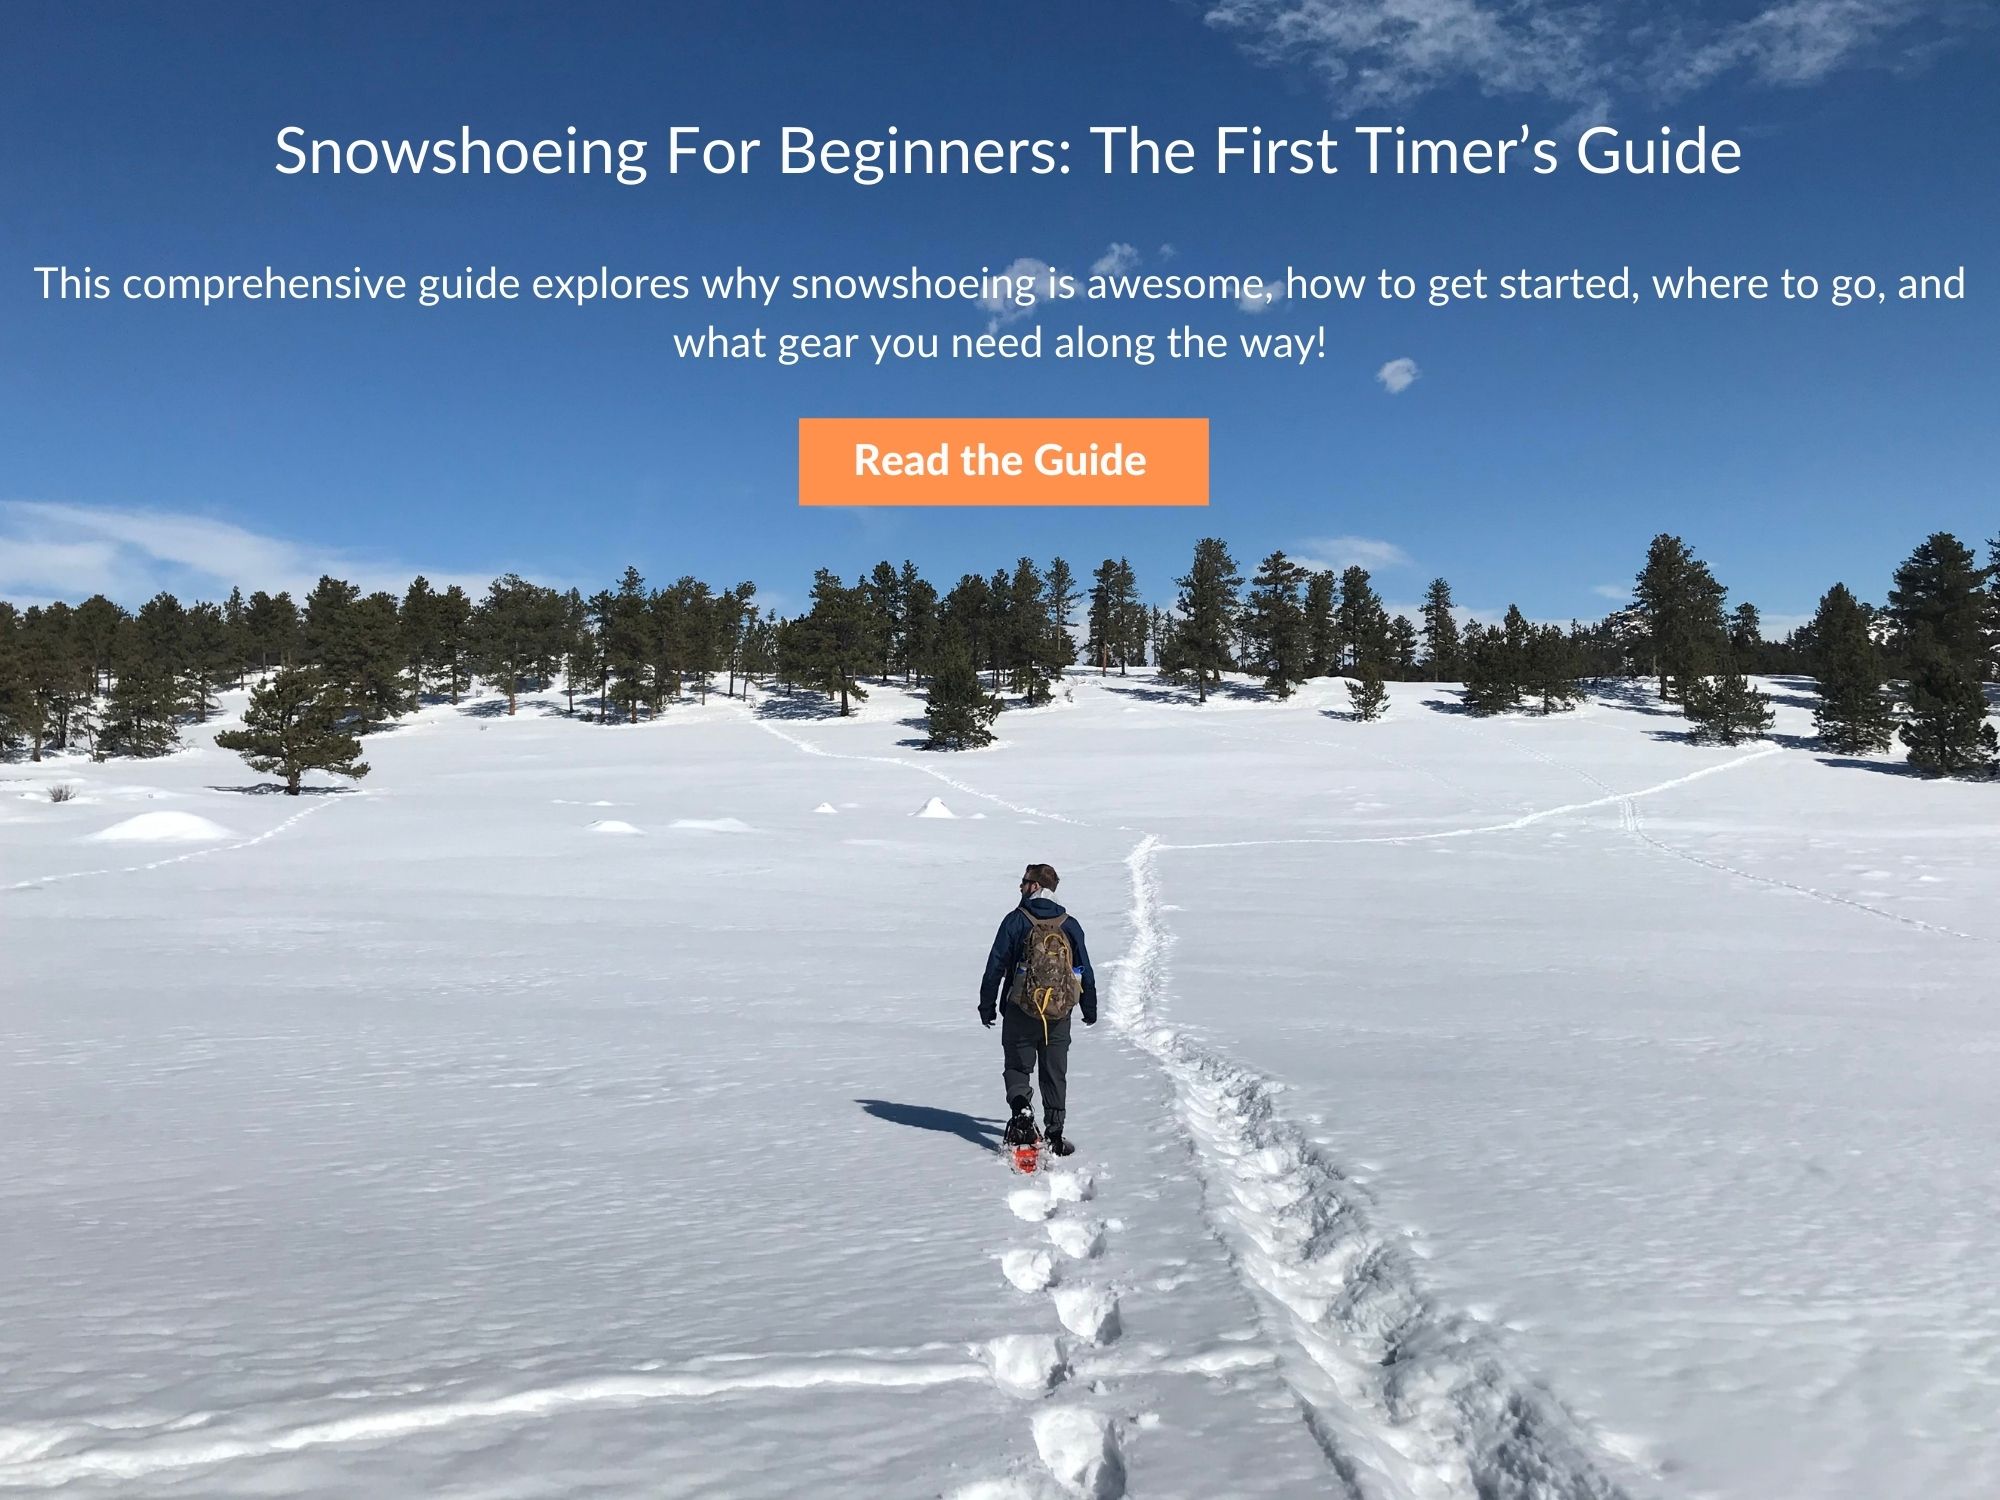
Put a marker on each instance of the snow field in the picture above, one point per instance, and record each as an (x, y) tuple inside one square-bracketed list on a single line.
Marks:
[(1533, 1109)]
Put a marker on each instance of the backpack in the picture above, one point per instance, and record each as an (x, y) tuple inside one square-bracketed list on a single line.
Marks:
[(1046, 984)]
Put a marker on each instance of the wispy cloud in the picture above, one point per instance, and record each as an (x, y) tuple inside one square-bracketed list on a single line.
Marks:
[(1399, 375), (1619, 592), (1580, 53), (1118, 259), (55, 550), (1337, 552), (1272, 294), (1028, 270)]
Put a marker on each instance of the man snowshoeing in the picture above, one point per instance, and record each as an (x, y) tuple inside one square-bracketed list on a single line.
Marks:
[(1039, 956)]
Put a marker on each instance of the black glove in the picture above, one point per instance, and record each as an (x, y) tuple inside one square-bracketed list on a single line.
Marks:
[(988, 1014), (1090, 1018)]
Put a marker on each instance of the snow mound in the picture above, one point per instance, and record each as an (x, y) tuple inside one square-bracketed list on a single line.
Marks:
[(1089, 1312), (1081, 1450), (1026, 1364), (1031, 1204), (714, 825), (1029, 1270), (1079, 1239), (935, 808), (826, 807), (1072, 1187), (164, 828), (612, 825)]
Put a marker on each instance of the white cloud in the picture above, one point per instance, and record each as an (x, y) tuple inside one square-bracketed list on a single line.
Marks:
[(1169, 251), (1619, 592), (1398, 375), (1038, 276), (1373, 53), (1337, 552), (1118, 259), (1272, 294), (51, 550)]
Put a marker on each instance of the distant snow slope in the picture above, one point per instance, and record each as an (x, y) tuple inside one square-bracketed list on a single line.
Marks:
[(1525, 1108)]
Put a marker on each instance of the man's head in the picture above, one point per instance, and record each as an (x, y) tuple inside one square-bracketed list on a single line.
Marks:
[(1039, 880)]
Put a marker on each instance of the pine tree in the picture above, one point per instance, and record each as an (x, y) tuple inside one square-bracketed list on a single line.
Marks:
[(1854, 715), (236, 621), (56, 676), (20, 713), (1204, 637), (271, 623), (1362, 621), (922, 631), (209, 657), (1992, 607), (1131, 619), (1681, 604), (1403, 648), (1725, 709), (98, 624), (969, 610), (883, 592), (418, 620), (1746, 632), (705, 643), (1939, 605), (1062, 595), (959, 713), (326, 629), (1275, 636), (378, 687), (834, 639), (734, 615), (1322, 623), (297, 722), (1549, 669), (1945, 726), (580, 659), (1116, 620), (516, 629), (142, 716), (1369, 698), (1037, 650), (622, 633), (1493, 670), (1441, 652), (451, 646)]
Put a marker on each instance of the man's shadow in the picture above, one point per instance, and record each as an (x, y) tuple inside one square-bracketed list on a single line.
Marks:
[(983, 1133)]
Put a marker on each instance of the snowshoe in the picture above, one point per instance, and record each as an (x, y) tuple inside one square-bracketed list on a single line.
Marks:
[(1023, 1143)]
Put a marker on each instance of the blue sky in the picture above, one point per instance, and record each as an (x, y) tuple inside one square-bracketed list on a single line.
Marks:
[(1538, 451)]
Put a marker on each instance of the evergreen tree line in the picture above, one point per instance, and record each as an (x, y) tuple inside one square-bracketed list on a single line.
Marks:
[(96, 676)]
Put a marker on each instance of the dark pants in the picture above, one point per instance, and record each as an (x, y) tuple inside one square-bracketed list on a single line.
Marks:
[(1023, 1046)]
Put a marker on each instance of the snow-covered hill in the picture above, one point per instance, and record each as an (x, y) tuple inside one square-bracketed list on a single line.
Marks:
[(1529, 1108)]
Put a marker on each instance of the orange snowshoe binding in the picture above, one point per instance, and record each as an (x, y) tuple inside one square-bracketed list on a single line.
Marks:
[(1023, 1143)]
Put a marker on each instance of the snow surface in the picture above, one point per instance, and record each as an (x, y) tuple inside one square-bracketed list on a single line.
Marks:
[(1525, 1108)]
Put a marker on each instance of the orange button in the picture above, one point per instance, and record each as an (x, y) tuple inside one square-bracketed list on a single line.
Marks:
[(1003, 461)]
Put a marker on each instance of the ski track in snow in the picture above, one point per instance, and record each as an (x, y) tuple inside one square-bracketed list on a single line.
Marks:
[(1510, 825), (1405, 1397), (910, 765), (1633, 822), (29, 1460), (1635, 825), (158, 864)]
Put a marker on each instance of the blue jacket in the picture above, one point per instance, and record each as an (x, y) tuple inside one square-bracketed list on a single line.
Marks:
[(1008, 945)]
